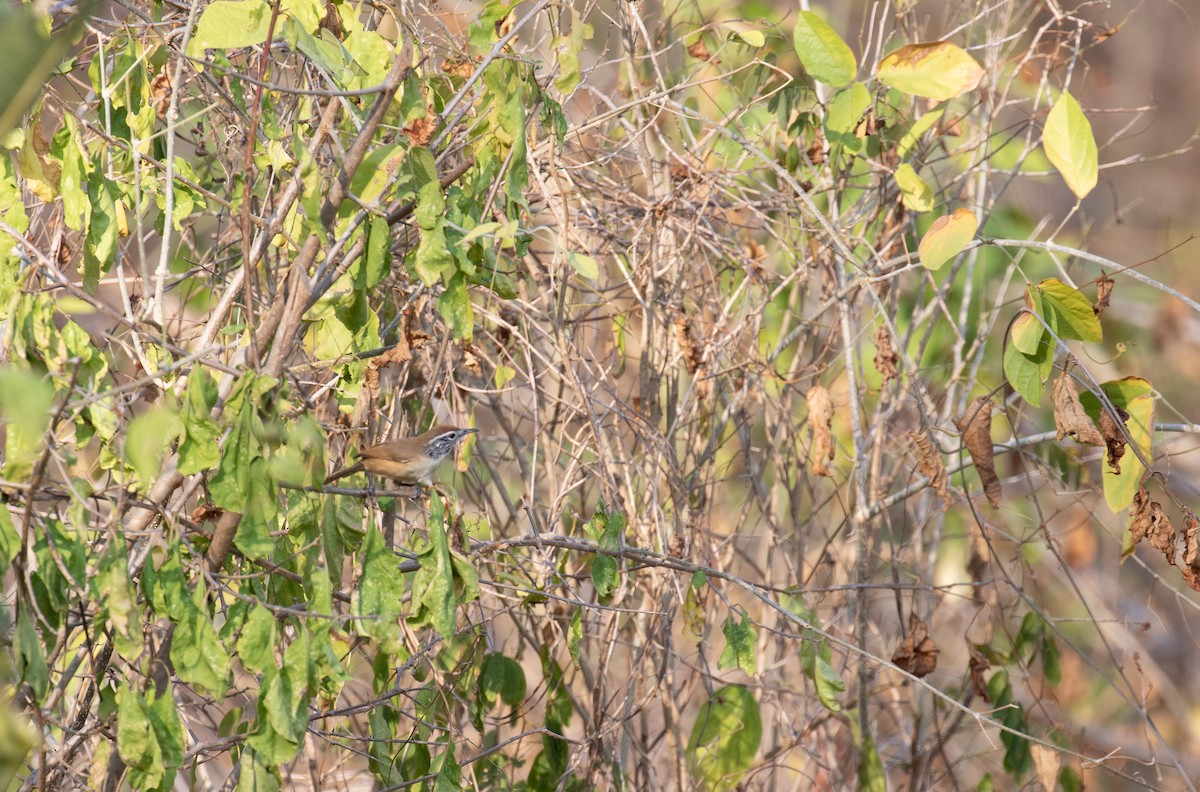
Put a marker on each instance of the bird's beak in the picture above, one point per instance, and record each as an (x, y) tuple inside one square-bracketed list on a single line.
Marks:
[(470, 431)]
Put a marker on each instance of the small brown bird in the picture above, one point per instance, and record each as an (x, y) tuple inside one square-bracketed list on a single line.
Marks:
[(412, 460)]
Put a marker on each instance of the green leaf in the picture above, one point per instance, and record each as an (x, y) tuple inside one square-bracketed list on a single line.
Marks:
[(606, 530), (725, 738), (196, 650), (912, 136), (25, 402), (74, 182), (30, 55), (231, 485), (1135, 396), (948, 236), (256, 646), (31, 660), (199, 448), (448, 773), (1028, 373), (378, 600), (455, 307), (575, 635), (847, 109), (10, 540), (148, 438), (584, 264), (1028, 329), (822, 52), (502, 679), (103, 230), (433, 584), (1070, 145), (136, 740), (914, 192), (739, 652), (257, 775), (112, 588), (568, 48), (871, 775), (936, 70), (281, 725), (1074, 317), (377, 264), (229, 24)]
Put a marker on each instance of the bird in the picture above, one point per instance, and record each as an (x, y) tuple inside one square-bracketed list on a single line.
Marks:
[(412, 460)]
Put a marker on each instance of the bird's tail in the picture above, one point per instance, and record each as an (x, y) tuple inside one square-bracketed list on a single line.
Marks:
[(346, 471)]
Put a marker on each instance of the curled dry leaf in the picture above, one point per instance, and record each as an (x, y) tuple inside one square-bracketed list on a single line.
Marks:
[(699, 51), (1104, 288), (1046, 764), (917, 653), (930, 463), (1149, 521), (976, 428), (885, 355), (1069, 416), (978, 665), (1114, 437), (1191, 550), (820, 421), (687, 344)]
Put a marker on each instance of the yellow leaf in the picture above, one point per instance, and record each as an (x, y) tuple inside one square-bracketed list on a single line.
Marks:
[(914, 192), (936, 70), (1070, 145), (947, 237)]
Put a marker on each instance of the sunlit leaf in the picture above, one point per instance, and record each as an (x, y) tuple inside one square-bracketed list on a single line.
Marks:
[(228, 24), (1070, 145), (740, 650), (1135, 396), (915, 193), (947, 237), (935, 70), (725, 738), (822, 52), (1073, 314)]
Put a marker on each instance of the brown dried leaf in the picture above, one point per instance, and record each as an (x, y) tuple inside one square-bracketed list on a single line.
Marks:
[(885, 355), (977, 666), (1045, 763), (917, 653), (699, 51), (459, 67), (160, 93), (687, 344), (1191, 550), (1069, 416), (420, 132), (1104, 288), (820, 421), (976, 428), (1114, 437), (930, 463), (1149, 521)]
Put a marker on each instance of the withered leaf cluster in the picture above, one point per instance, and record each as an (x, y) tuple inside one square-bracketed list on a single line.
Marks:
[(820, 422), (975, 426), (886, 359), (1113, 433), (1149, 521), (930, 463), (977, 666), (1069, 416), (1104, 288), (917, 653)]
